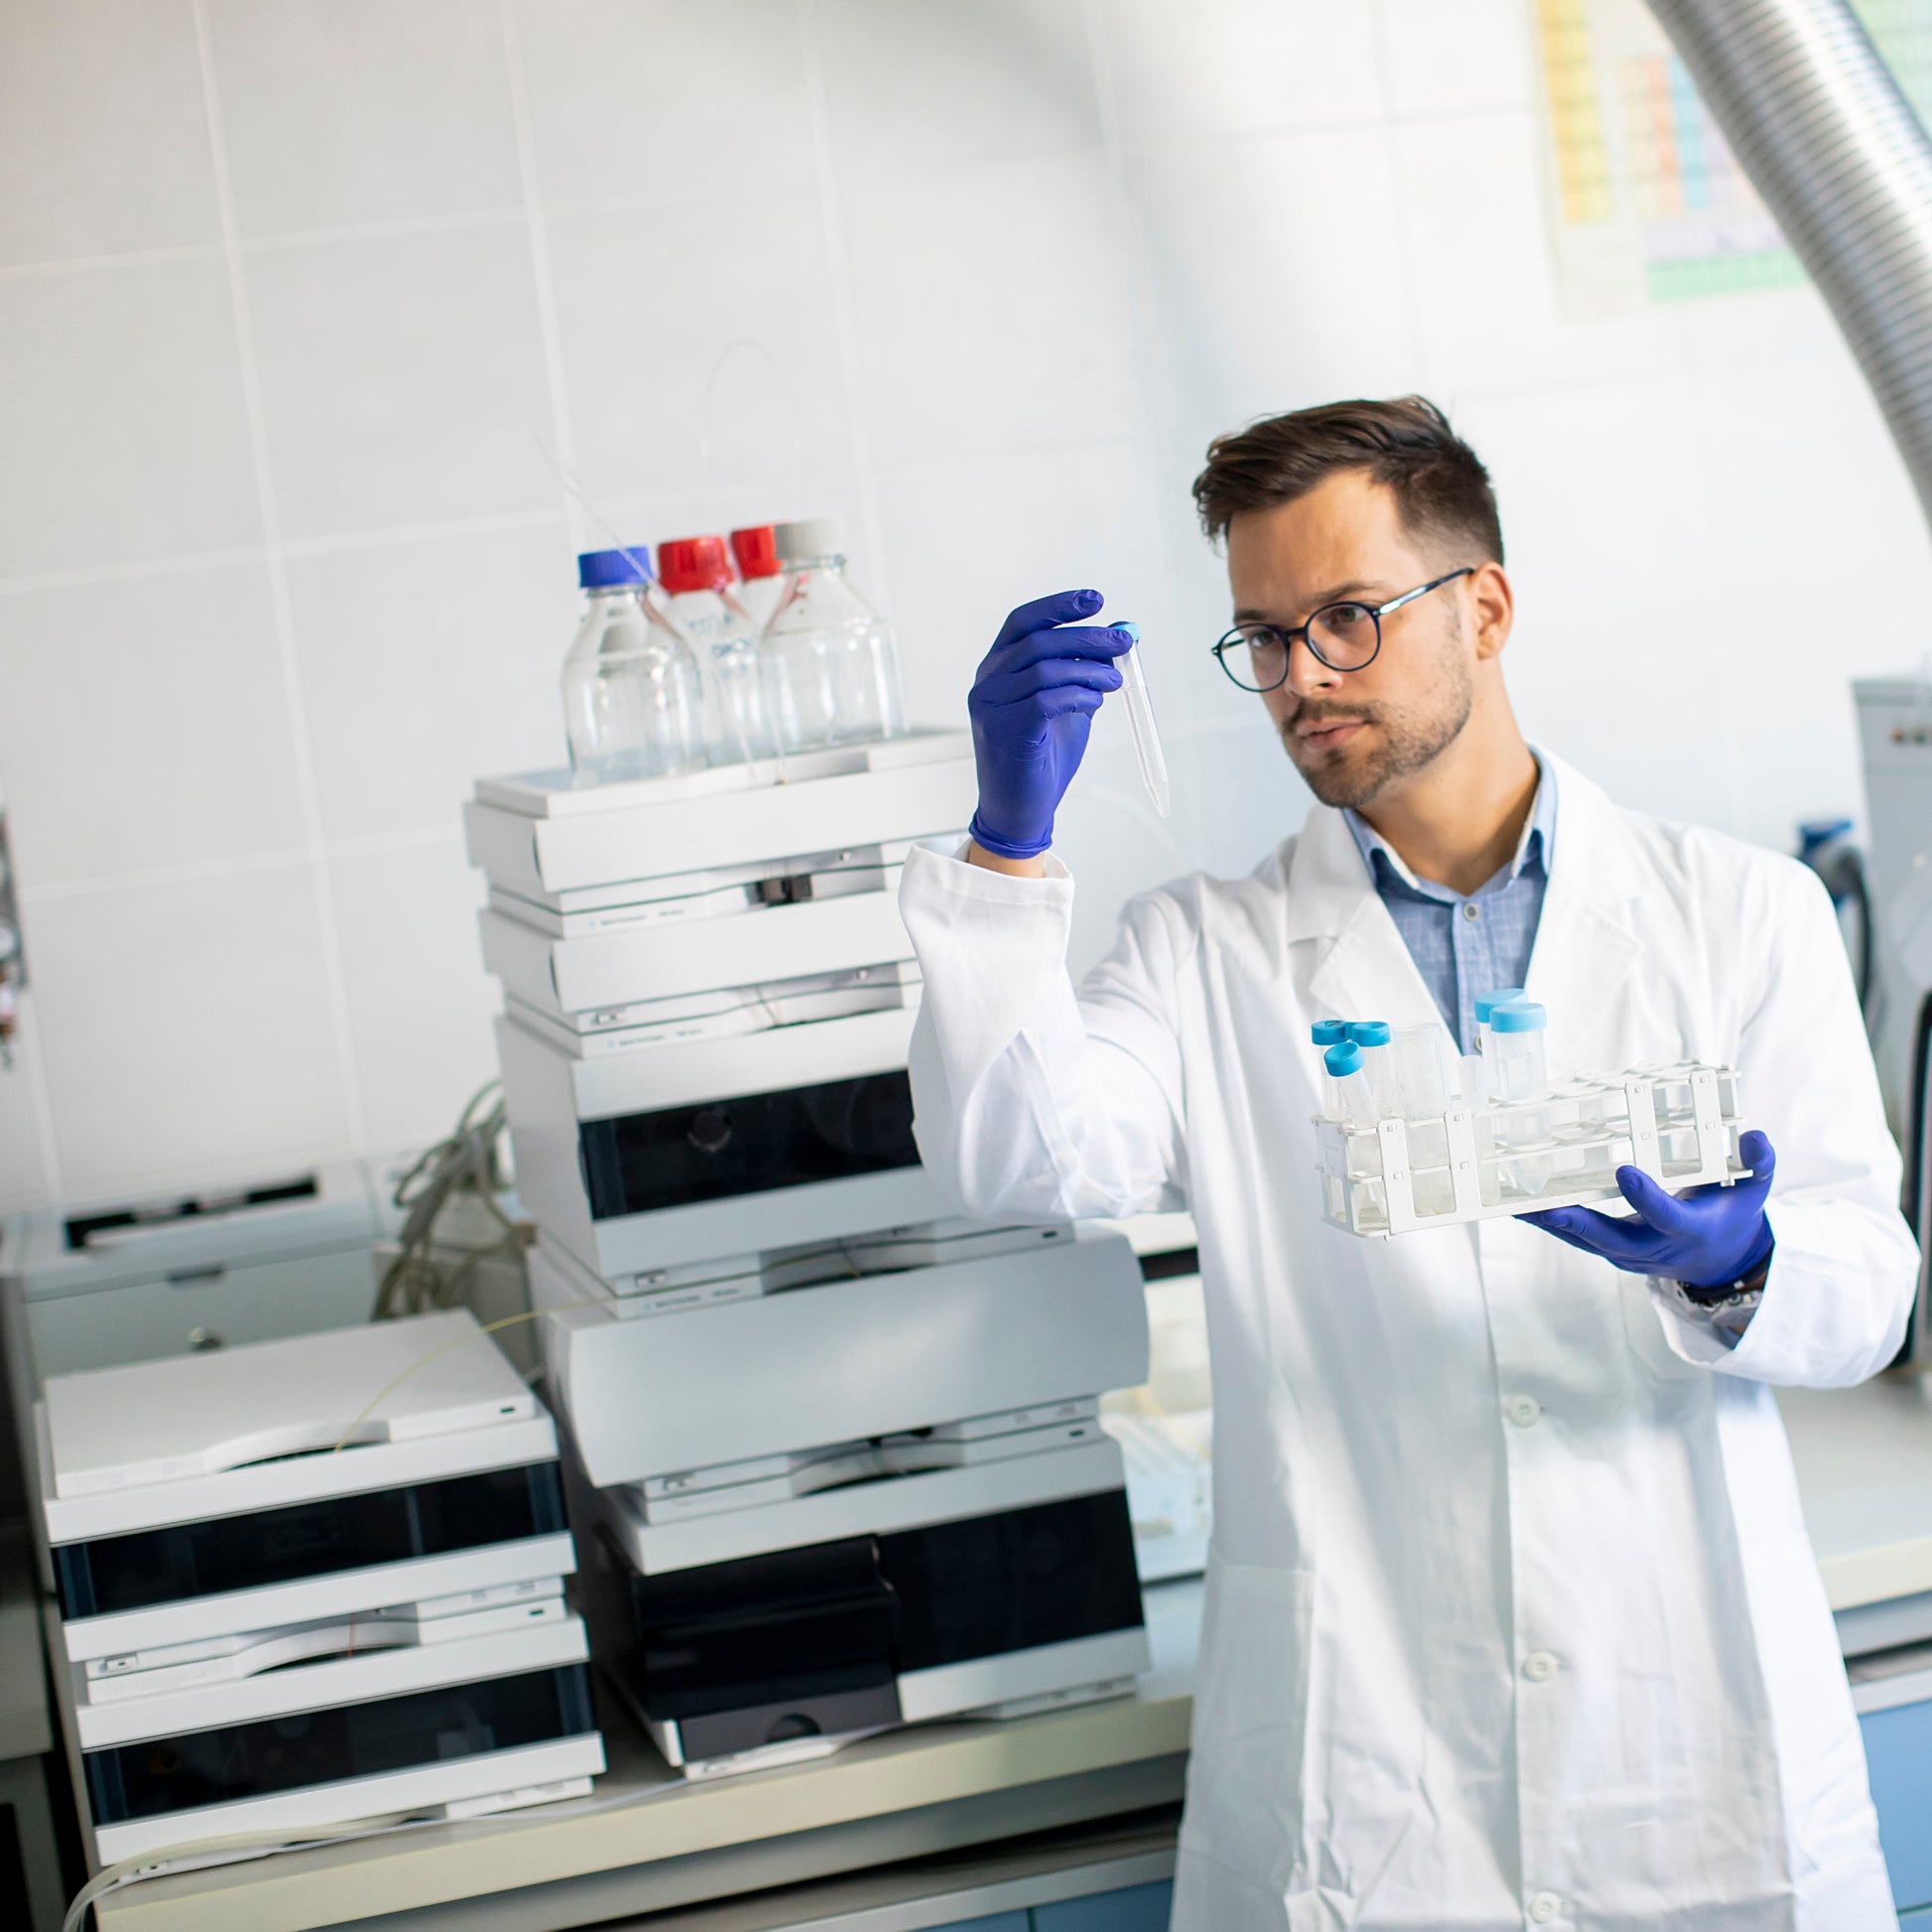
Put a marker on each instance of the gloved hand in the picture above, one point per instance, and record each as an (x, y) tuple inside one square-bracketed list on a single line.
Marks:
[(1031, 705), (1708, 1238)]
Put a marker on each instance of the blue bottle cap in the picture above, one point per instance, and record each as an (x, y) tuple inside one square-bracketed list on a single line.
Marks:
[(1329, 1033), (1342, 1060), (1487, 1003), (604, 570), (1369, 1033), (1518, 1017)]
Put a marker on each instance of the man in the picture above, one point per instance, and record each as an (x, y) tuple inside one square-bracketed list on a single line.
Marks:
[(1511, 1618)]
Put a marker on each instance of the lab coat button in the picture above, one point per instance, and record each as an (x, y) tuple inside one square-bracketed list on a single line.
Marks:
[(1539, 1666), (1544, 1907), (1522, 1410)]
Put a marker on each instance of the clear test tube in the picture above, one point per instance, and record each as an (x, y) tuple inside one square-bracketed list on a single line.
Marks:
[(1486, 1003), (1473, 1073), (1140, 716), (1326, 1033), (1355, 1102), (1514, 1050), (1378, 1063), (1419, 1065)]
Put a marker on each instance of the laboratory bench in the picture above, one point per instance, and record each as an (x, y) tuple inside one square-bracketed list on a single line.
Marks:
[(1056, 1823), (1080, 1803)]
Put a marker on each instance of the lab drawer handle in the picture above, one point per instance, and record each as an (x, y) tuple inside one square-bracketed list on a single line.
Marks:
[(188, 1276), (203, 1340)]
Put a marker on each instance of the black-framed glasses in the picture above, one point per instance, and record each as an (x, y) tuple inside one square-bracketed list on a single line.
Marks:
[(1346, 637)]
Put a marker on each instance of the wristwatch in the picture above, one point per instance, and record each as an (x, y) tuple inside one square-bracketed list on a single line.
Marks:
[(1728, 1306), (1750, 1284)]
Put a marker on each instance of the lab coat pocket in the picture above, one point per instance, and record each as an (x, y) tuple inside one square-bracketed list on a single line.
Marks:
[(1244, 1780), (1644, 1326)]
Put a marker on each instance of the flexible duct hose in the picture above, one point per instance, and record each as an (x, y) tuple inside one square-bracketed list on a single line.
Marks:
[(1816, 121)]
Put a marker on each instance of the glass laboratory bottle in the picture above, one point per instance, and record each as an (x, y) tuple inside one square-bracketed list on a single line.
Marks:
[(762, 581), (831, 668), (702, 602), (632, 703)]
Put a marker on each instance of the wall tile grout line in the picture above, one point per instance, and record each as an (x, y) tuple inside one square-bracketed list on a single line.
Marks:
[(1142, 435), (335, 979), (537, 228), (845, 306), (238, 865), (1392, 125), (498, 523), (48, 271), (402, 229)]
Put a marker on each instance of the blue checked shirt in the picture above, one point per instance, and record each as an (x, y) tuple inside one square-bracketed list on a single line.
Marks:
[(1462, 945)]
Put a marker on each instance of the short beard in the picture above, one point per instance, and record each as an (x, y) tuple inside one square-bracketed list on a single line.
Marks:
[(1407, 744)]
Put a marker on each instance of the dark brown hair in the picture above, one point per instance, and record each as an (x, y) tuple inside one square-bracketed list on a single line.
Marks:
[(1439, 483)]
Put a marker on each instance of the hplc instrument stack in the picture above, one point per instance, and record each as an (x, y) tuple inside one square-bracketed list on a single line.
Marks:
[(841, 1453), (309, 1581)]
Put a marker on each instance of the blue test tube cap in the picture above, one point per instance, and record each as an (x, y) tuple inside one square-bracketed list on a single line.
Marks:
[(1518, 1017), (1369, 1033), (1329, 1033), (1343, 1060), (1487, 1003)]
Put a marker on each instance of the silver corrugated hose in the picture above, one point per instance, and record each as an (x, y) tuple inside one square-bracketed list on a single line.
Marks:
[(1817, 122)]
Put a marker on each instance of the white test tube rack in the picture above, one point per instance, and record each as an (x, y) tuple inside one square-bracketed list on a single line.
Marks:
[(1678, 1124)]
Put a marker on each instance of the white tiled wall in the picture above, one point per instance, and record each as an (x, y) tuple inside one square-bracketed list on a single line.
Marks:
[(303, 304)]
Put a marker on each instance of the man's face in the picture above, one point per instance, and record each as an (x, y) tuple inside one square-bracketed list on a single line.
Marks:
[(1352, 735)]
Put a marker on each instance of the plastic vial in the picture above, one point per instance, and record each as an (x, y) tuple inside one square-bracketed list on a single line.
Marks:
[(1326, 1033), (762, 581), (831, 668), (1514, 1051), (1378, 1063), (1419, 1064), (1472, 1074), (1357, 1103), (1486, 1003), (703, 604), (632, 703)]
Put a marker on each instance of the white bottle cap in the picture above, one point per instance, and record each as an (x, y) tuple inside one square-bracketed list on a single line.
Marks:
[(810, 536)]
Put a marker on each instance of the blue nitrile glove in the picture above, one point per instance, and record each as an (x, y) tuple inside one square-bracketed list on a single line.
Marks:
[(1031, 705), (1708, 1238)]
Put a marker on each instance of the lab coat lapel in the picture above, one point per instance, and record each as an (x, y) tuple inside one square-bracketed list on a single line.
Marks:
[(1586, 947), (1361, 968)]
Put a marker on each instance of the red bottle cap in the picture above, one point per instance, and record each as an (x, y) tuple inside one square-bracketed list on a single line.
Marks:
[(693, 564), (757, 551)]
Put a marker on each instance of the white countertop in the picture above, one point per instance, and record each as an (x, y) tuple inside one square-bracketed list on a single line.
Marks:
[(641, 1814), (1864, 1471), (1864, 1465)]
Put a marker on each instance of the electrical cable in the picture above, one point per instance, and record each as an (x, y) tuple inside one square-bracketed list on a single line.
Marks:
[(466, 1164)]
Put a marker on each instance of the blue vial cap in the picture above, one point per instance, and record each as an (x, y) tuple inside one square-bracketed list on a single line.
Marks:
[(1816, 832), (1487, 1003), (1369, 1033), (1343, 1060), (1329, 1033), (1518, 1017), (604, 570)]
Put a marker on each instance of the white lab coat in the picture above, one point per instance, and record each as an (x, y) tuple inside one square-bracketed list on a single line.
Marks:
[(1511, 1617)]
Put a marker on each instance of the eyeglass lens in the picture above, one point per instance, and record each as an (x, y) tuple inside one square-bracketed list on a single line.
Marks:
[(1342, 635)]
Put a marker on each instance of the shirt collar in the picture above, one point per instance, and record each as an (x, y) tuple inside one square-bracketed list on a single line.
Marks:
[(1538, 841)]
